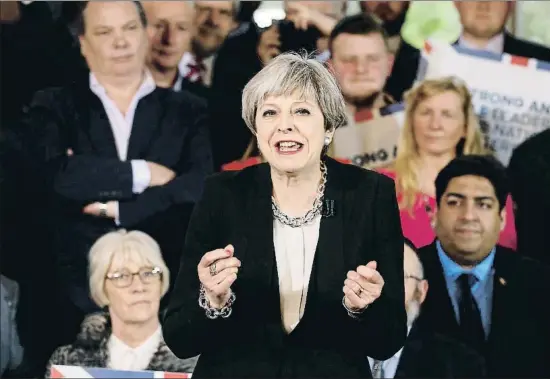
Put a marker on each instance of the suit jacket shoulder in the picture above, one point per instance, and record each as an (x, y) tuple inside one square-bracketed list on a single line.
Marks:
[(516, 46), (345, 176), (184, 97), (508, 263), (530, 271), (533, 146)]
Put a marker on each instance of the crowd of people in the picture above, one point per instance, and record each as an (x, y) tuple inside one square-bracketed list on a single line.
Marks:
[(127, 242)]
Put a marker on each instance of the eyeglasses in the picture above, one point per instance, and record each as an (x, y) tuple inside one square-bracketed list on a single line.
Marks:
[(413, 277), (125, 279)]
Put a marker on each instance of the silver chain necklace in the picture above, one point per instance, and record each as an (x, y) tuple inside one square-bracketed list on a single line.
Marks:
[(296, 222)]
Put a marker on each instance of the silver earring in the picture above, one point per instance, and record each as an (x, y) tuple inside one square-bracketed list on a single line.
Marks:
[(327, 140)]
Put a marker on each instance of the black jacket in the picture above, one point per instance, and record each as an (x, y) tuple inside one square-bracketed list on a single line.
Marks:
[(519, 340), (431, 355), (529, 173), (169, 128), (236, 209)]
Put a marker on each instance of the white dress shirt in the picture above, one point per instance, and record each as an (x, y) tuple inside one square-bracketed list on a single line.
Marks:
[(294, 251), (121, 125), (124, 357), (495, 44), (389, 366)]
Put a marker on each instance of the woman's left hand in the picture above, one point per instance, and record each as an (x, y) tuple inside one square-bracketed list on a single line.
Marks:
[(362, 287)]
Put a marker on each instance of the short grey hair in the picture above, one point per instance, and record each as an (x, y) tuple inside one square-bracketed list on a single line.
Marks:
[(131, 245), (290, 73)]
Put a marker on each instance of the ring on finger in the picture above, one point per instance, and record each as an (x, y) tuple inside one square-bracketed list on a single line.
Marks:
[(213, 270), (359, 292)]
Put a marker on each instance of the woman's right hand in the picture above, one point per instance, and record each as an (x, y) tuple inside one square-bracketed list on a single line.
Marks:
[(217, 271)]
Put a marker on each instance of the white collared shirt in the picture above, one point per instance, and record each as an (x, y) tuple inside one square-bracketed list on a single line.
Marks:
[(124, 357), (121, 126), (495, 44), (178, 84), (389, 366)]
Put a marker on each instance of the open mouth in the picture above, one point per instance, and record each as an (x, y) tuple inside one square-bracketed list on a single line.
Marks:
[(288, 147)]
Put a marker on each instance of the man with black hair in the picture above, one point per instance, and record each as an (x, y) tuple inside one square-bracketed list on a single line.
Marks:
[(487, 296)]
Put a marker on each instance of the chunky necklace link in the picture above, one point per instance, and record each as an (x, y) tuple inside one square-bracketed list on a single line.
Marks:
[(296, 222)]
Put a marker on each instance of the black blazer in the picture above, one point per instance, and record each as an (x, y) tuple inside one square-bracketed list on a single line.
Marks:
[(407, 60), (529, 173), (169, 128), (236, 209), (431, 355), (519, 341)]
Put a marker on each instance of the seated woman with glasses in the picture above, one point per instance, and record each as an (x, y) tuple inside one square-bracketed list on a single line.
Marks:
[(128, 277)]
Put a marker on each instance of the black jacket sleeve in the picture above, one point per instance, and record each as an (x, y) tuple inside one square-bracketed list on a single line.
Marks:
[(381, 330), (187, 330), (195, 165), (42, 138)]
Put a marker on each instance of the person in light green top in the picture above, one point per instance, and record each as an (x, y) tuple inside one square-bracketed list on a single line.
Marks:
[(431, 19)]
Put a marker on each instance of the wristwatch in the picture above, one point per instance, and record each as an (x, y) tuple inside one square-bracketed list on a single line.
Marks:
[(102, 210)]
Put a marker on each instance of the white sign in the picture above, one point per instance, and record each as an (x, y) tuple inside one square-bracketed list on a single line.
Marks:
[(512, 94)]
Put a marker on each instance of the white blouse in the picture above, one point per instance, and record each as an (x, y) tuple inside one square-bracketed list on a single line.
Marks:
[(294, 251), (124, 357)]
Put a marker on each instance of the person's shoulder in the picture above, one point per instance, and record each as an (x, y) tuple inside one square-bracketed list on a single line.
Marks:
[(389, 172), (54, 95), (533, 144), (239, 181), (522, 264), (355, 176), (528, 49), (184, 100), (67, 355), (165, 360)]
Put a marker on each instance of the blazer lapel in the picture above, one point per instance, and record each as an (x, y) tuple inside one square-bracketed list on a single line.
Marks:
[(97, 126), (258, 273), (440, 304), (502, 307), (330, 272), (147, 119)]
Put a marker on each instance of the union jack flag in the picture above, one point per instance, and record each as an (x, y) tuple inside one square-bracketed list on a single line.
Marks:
[(58, 371), (504, 58)]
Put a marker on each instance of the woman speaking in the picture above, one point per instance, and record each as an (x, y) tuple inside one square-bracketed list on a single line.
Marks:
[(294, 267)]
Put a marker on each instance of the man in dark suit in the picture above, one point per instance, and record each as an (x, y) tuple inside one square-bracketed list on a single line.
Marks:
[(529, 172), (115, 150), (483, 25), (489, 297), (425, 354)]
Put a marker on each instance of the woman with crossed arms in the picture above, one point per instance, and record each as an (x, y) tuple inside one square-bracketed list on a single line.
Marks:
[(294, 267)]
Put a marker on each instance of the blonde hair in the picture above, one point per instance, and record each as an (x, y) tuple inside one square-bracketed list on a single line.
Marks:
[(289, 73), (407, 163), (134, 245)]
